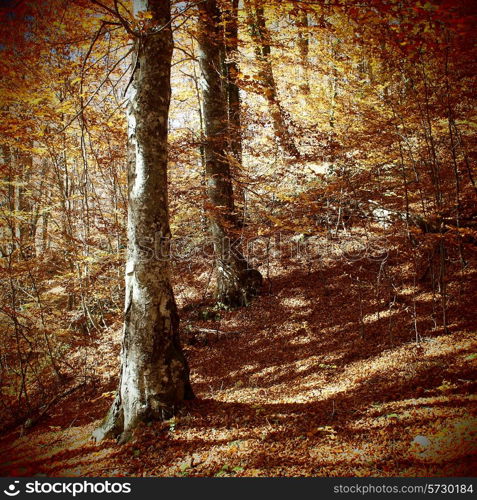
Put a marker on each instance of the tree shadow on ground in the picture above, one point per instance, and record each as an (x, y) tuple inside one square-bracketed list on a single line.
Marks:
[(314, 374)]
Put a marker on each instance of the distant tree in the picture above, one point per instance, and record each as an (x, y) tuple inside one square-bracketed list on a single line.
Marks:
[(231, 72), (261, 38), (303, 43), (234, 113), (236, 282)]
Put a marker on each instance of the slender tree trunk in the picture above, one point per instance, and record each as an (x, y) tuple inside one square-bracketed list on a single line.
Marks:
[(236, 283), (27, 226), (232, 70), (195, 78), (303, 43), (154, 372), (261, 38), (7, 204), (45, 242)]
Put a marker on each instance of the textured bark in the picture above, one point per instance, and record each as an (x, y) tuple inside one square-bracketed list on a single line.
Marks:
[(236, 283), (261, 37), (154, 372)]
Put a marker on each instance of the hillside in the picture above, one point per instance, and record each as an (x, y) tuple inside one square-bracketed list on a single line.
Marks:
[(290, 386)]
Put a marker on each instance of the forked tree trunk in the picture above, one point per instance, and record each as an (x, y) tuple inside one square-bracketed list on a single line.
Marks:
[(154, 372), (236, 283)]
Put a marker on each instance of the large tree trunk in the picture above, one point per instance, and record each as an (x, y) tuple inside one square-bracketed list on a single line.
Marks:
[(236, 283), (154, 372), (261, 38)]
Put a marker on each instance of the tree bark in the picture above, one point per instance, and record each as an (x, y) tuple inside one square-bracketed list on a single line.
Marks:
[(154, 372), (236, 282)]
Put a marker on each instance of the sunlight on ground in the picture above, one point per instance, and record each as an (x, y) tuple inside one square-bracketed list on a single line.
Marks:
[(289, 396)]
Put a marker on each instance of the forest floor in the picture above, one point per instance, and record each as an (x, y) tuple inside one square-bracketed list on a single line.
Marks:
[(307, 382)]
